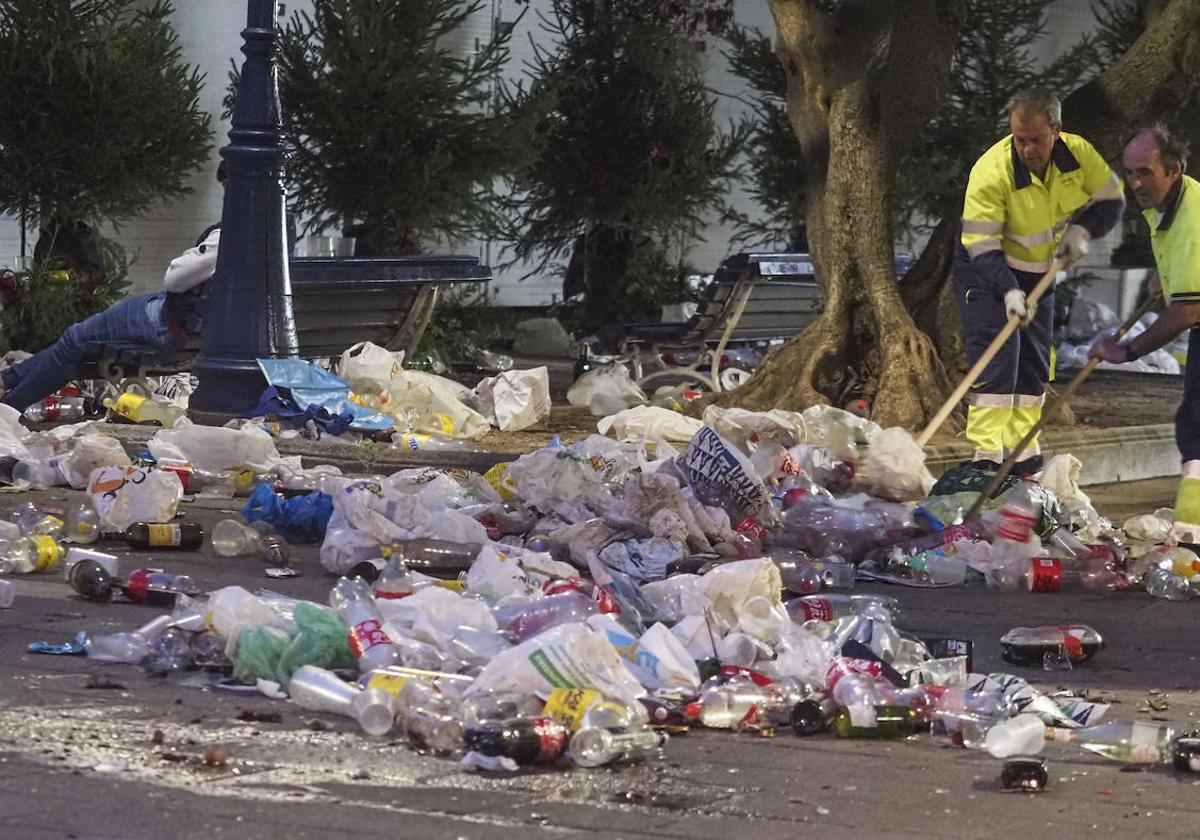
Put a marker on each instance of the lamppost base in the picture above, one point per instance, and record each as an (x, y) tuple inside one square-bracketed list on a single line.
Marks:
[(228, 389)]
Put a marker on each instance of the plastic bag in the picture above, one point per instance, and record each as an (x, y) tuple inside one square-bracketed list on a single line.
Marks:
[(89, 453), (216, 448), (434, 404), (658, 659), (436, 615), (232, 609), (311, 386), (516, 399), (721, 475), (12, 434), (300, 518), (124, 495), (895, 467), (565, 656), (369, 368), (644, 421), (740, 425), (268, 653), (606, 390), (730, 587)]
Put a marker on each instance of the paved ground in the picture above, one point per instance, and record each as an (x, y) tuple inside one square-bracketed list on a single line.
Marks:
[(78, 759)]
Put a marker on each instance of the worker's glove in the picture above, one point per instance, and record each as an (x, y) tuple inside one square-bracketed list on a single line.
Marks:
[(1073, 246), (1106, 348), (1016, 306)]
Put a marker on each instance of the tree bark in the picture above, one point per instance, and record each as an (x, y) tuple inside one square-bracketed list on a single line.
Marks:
[(864, 76)]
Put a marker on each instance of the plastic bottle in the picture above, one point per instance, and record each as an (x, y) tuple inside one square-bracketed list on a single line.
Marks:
[(1010, 552), (419, 442), (127, 646), (437, 558), (596, 746), (1022, 735), (157, 587), (1133, 742), (185, 536), (521, 621), (139, 409), (395, 581), (170, 651), (231, 538), (32, 521), (538, 740), (426, 717), (883, 722), (741, 704), (968, 715), (1165, 584), (1051, 646), (835, 606), (351, 600), (82, 526), (58, 409), (25, 555)]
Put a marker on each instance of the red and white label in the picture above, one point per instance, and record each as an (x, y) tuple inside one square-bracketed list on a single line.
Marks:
[(843, 665), (366, 635)]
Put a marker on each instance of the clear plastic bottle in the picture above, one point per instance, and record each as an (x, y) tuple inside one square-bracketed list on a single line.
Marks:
[(395, 581), (1165, 584), (351, 600), (521, 621), (596, 746), (1053, 647), (581, 708), (834, 606), (231, 538), (139, 409), (742, 704), (1130, 741), (438, 558), (58, 409), (427, 718), (25, 555), (968, 715), (83, 525), (1010, 552)]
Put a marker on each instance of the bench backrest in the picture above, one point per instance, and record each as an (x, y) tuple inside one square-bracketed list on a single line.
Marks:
[(784, 298)]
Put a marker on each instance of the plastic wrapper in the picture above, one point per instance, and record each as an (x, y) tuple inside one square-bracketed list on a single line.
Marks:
[(741, 426), (125, 495), (436, 615), (299, 518), (606, 390), (368, 368), (721, 475), (646, 421), (310, 386), (571, 481), (216, 448), (837, 430), (515, 399), (894, 467), (566, 656), (730, 587), (658, 659), (13, 435), (90, 452)]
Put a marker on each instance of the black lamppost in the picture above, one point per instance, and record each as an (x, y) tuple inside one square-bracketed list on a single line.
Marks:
[(249, 313)]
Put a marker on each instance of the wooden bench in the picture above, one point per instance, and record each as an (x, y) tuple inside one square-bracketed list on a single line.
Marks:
[(753, 298), (337, 301)]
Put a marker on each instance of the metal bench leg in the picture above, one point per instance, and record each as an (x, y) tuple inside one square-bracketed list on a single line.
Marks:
[(743, 290)]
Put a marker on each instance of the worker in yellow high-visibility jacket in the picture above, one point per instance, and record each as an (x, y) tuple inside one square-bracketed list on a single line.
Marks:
[(1154, 164), (1038, 194)]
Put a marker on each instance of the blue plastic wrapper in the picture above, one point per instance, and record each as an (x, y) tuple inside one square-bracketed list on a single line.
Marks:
[(282, 404), (75, 647), (313, 386), (300, 518)]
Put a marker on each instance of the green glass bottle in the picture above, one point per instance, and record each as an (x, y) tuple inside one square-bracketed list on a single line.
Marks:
[(889, 722)]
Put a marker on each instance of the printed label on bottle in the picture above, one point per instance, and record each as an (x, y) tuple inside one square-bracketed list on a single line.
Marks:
[(168, 534), (843, 665), (568, 705), (1045, 574), (366, 635), (391, 683), (53, 407), (48, 553), (553, 738), (817, 609)]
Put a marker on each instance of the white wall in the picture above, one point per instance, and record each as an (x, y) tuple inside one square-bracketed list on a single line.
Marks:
[(210, 36)]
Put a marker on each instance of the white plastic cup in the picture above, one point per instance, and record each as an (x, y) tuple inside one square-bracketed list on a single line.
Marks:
[(320, 690), (8, 594), (231, 538), (1022, 735)]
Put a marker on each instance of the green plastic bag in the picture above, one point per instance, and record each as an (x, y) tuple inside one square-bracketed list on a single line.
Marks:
[(270, 654)]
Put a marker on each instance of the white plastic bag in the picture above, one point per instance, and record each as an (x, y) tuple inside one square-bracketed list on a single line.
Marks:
[(216, 447), (1061, 477), (566, 656), (439, 405), (89, 453), (895, 467), (124, 495), (740, 425), (369, 368), (435, 615), (12, 434), (644, 421), (658, 659), (515, 399), (732, 587), (606, 390)]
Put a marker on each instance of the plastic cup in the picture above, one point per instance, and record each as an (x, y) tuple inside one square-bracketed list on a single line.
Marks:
[(951, 671), (1022, 735), (8, 594), (373, 709), (320, 690), (231, 538)]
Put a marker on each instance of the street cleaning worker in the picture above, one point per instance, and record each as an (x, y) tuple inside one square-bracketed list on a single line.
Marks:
[(1154, 164), (1018, 215)]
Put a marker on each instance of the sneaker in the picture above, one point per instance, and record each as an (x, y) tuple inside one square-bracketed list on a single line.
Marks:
[(1029, 467)]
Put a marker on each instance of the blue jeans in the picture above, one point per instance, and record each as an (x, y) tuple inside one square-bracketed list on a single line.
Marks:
[(134, 320)]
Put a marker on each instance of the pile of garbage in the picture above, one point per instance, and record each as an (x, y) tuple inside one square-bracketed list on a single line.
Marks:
[(1090, 318), (590, 600)]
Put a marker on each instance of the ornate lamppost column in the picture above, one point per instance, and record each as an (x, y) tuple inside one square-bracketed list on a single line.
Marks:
[(249, 314)]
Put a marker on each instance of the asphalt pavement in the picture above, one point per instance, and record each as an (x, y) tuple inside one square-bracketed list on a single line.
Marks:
[(103, 751)]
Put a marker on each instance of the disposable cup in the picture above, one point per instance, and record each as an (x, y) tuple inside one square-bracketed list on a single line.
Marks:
[(373, 710), (320, 690), (1022, 735)]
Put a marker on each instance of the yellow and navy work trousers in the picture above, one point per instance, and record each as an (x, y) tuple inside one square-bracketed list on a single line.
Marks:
[(1006, 401), (1187, 437)]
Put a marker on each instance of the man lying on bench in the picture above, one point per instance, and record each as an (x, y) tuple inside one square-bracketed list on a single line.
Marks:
[(163, 321)]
